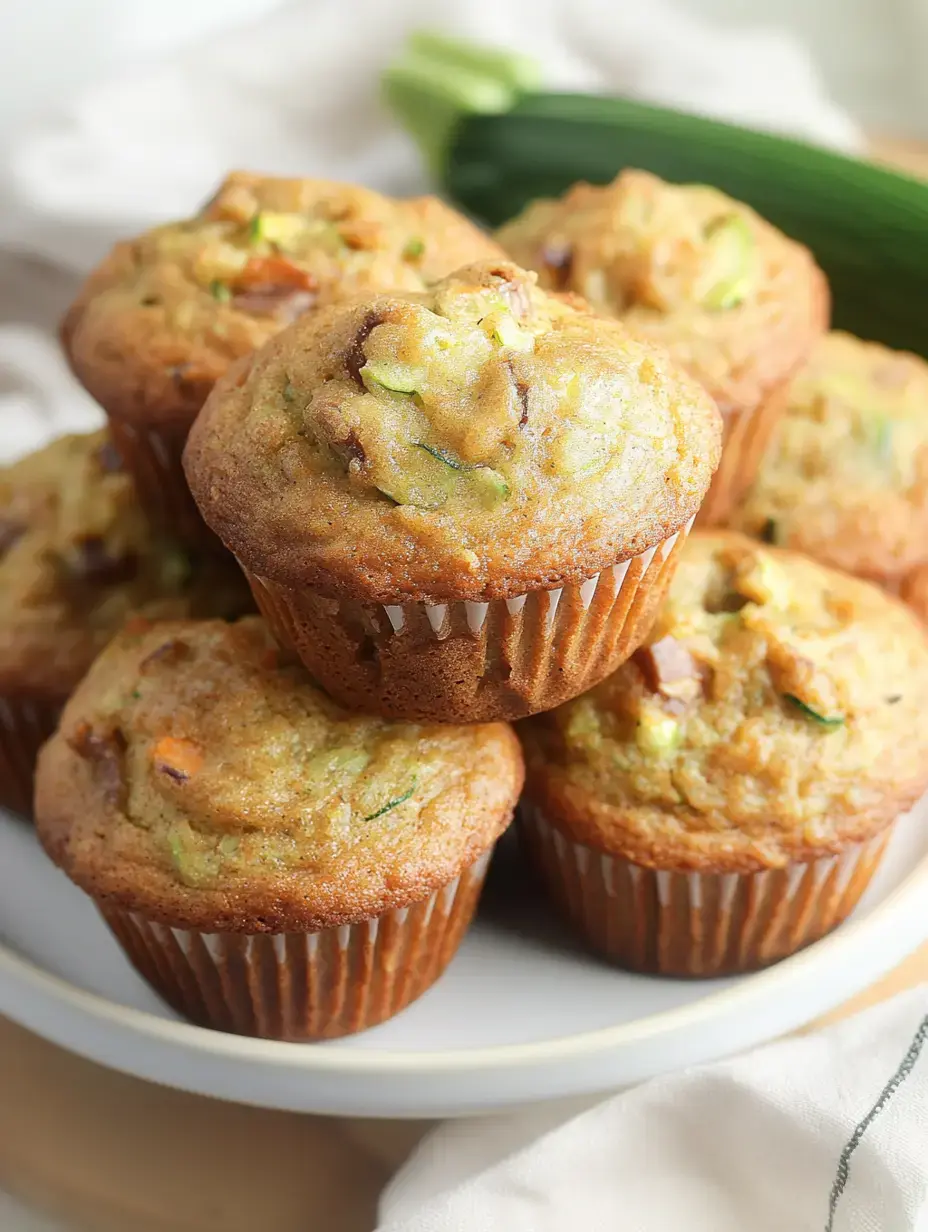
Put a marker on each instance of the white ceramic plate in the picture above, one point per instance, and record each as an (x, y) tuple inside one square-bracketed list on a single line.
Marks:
[(521, 1015)]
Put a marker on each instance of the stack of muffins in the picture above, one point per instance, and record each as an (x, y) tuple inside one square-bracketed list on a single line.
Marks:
[(461, 496)]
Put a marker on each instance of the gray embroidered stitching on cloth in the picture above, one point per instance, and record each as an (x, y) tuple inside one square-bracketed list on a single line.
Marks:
[(906, 1065)]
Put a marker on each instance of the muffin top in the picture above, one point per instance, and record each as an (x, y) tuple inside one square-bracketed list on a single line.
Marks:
[(165, 314), (734, 301), (200, 780), (776, 713), (472, 442), (77, 557), (845, 478)]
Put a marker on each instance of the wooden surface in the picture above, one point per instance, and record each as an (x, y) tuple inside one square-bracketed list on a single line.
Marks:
[(114, 1154), (110, 1153)]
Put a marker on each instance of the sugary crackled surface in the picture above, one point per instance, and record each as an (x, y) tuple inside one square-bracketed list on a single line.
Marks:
[(734, 301), (77, 558), (202, 781), (473, 442), (776, 713), (846, 475), (166, 313)]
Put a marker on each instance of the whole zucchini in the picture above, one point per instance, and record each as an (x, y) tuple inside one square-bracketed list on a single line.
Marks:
[(492, 150)]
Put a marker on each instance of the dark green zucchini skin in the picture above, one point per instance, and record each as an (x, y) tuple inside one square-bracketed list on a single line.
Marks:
[(867, 226)]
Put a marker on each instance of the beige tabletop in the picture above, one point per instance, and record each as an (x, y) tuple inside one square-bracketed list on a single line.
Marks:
[(110, 1153)]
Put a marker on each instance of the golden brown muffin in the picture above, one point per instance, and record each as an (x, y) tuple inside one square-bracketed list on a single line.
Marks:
[(456, 505), (198, 783), (846, 476), (735, 302), (742, 771), (162, 318), (77, 558)]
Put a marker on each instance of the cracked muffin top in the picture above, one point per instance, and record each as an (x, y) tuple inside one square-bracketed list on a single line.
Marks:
[(776, 714), (472, 442), (165, 314), (78, 557), (199, 779), (845, 478), (737, 303)]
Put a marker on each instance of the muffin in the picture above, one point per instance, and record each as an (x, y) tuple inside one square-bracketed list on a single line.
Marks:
[(456, 506), (846, 476), (77, 558), (165, 314), (271, 864), (724, 798), (733, 300)]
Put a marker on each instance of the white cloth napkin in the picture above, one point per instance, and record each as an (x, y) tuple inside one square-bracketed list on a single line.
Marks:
[(16, 1218), (827, 1133)]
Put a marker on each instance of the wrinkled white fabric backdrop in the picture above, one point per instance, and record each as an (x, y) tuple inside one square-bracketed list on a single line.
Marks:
[(750, 1144), (297, 92)]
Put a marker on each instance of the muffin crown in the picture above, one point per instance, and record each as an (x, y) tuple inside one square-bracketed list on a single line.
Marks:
[(734, 301), (470, 442), (78, 556), (773, 715), (166, 313), (199, 780), (846, 475)]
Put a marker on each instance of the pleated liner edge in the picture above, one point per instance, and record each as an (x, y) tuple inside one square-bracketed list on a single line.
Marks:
[(695, 924)]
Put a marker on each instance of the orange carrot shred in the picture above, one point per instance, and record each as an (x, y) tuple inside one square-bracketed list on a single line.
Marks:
[(277, 272), (179, 759)]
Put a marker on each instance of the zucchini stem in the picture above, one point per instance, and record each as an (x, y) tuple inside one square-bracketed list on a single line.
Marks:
[(437, 81)]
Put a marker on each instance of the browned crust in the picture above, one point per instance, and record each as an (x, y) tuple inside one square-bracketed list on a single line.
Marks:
[(913, 590), (143, 368), (782, 347), (88, 830), (605, 828), (136, 368), (776, 366), (373, 580), (225, 492), (876, 535), (73, 820)]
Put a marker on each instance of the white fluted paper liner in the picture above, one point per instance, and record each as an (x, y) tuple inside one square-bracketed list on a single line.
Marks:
[(695, 924), (473, 662), (303, 986)]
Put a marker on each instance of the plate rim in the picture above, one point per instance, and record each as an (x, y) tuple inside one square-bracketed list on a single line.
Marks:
[(898, 916)]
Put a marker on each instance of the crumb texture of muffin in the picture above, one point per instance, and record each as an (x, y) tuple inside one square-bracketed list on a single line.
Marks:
[(845, 479), (472, 442), (774, 716), (167, 312), (78, 557), (198, 780), (736, 303)]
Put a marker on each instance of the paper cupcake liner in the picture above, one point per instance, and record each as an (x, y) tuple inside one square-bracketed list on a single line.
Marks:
[(303, 986), (153, 459), (25, 724), (696, 924), (747, 433), (473, 662)]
